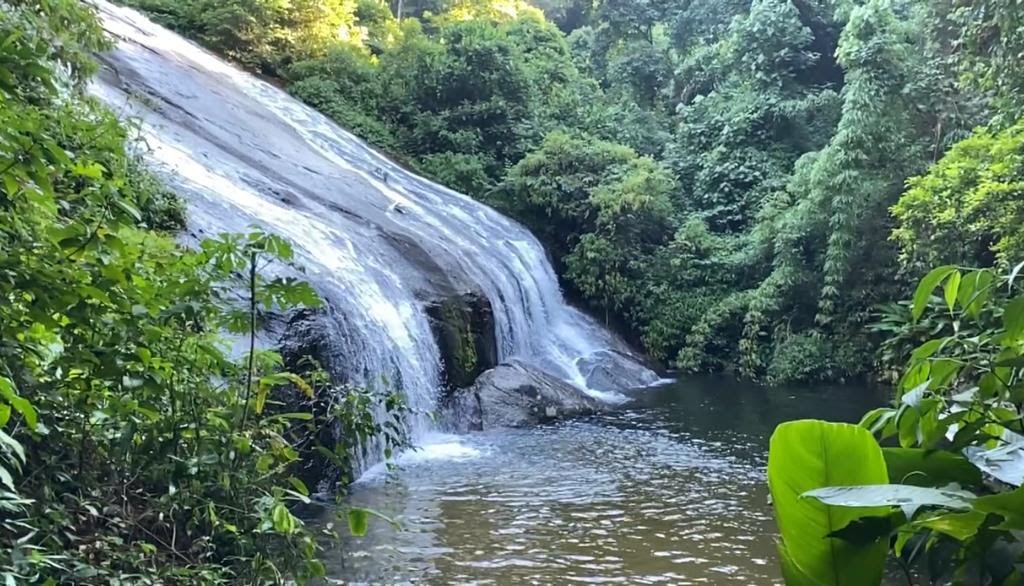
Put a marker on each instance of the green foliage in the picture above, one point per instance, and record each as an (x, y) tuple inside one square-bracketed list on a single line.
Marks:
[(968, 207), (929, 468), (682, 283), (801, 357), (460, 171), (630, 18), (779, 132), (462, 98), (956, 501), (552, 187), (567, 14), (264, 34), (633, 216), (817, 250), (771, 43), (36, 41), (903, 334), (133, 448), (465, 96), (808, 455), (641, 70), (609, 208), (992, 40)]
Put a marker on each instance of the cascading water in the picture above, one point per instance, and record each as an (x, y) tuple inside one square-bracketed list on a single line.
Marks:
[(372, 236)]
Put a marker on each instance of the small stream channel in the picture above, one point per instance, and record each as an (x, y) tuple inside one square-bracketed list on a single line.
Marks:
[(667, 489)]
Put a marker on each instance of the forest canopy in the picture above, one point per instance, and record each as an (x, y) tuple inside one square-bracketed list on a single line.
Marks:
[(734, 185), (742, 185)]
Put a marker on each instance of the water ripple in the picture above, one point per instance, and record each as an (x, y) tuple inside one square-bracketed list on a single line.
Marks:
[(668, 490), (609, 500)]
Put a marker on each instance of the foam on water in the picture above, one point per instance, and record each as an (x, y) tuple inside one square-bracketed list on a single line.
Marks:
[(432, 447)]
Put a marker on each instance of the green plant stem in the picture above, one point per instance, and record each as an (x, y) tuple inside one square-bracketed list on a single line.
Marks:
[(906, 572), (252, 338)]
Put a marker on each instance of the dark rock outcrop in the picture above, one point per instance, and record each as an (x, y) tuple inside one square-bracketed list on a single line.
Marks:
[(464, 329), (305, 334), (516, 395), (461, 318), (310, 340)]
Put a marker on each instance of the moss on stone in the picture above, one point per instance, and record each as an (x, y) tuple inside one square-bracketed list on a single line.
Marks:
[(464, 329)]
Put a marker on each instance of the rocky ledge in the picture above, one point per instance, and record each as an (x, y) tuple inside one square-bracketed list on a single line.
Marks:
[(615, 371), (516, 395)]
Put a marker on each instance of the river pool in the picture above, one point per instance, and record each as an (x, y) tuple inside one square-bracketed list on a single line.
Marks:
[(667, 489)]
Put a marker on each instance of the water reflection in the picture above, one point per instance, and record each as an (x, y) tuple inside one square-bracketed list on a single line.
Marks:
[(668, 489)]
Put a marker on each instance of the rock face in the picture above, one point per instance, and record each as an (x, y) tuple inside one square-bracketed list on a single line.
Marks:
[(516, 395), (614, 371), (309, 334), (300, 336), (463, 327), (462, 324)]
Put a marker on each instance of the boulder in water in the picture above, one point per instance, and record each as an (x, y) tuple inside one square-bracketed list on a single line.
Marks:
[(612, 371), (516, 395)]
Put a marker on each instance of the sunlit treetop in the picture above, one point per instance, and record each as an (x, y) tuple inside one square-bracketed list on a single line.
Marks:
[(491, 10)]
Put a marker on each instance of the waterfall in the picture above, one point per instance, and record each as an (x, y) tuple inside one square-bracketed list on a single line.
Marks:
[(373, 237)]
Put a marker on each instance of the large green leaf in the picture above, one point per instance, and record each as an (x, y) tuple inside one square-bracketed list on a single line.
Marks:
[(1013, 318), (975, 291), (358, 521), (926, 287), (792, 573), (929, 468), (1009, 505), (959, 526), (807, 455), (952, 289), (21, 405), (882, 495), (1005, 463)]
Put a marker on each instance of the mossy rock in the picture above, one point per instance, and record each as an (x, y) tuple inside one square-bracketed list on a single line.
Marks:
[(463, 326)]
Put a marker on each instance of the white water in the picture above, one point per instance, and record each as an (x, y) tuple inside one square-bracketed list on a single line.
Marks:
[(244, 153)]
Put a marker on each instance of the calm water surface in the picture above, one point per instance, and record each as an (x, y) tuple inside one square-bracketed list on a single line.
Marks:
[(667, 489)]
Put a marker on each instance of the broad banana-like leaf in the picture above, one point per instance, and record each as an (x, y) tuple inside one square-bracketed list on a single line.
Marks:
[(1009, 505), (1006, 462), (929, 468), (808, 455), (902, 495)]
